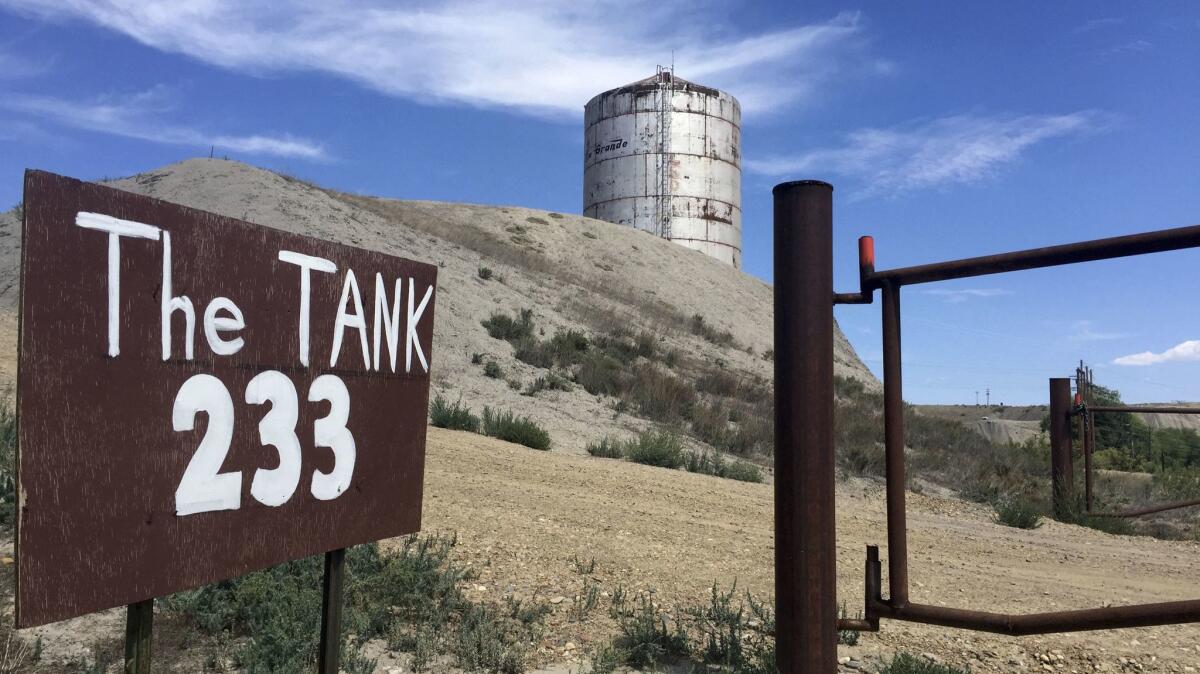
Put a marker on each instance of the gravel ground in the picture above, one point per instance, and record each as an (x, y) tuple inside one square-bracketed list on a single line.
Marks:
[(523, 517)]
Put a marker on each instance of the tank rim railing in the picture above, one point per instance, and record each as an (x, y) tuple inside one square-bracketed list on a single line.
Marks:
[(898, 606)]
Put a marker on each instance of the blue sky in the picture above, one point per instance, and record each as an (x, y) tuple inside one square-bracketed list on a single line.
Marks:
[(949, 129)]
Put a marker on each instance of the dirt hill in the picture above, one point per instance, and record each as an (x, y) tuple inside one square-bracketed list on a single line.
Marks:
[(573, 272)]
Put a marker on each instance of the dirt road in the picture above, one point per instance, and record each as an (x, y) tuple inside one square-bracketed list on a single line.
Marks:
[(522, 517)]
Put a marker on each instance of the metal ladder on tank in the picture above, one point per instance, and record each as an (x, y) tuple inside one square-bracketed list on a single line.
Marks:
[(666, 89)]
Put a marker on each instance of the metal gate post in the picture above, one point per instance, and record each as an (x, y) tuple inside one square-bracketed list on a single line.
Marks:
[(805, 552), (893, 441), (1062, 470)]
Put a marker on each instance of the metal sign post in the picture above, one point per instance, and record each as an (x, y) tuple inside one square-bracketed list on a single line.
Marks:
[(331, 612), (200, 397)]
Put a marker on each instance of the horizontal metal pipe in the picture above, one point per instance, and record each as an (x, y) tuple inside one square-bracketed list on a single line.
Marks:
[(1149, 510), (1051, 256), (853, 298), (1144, 409), (1114, 617), (856, 625)]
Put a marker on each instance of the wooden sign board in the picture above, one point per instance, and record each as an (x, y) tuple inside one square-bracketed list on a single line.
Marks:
[(199, 397)]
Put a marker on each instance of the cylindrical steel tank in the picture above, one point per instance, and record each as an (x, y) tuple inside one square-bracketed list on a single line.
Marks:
[(664, 155)]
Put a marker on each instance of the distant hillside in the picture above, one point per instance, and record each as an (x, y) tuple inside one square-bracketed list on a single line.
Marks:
[(1017, 424), (608, 282)]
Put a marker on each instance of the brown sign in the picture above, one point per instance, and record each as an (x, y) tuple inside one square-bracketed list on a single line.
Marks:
[(199, 397)]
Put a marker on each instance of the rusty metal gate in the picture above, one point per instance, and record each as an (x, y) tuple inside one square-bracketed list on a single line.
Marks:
[(805, 536), (1085, 410)]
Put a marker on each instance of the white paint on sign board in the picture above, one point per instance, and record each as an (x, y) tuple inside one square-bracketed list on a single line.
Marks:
[(356, 320), (306, 263), (413, 318), (215, 324), (203, 488), (385, 321), (274, 486), (172, 304), (331, 432), (116, 228)]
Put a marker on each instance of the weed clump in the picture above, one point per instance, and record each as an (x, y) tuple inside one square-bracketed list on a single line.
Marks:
[(512, 428), (607, 448), (492, 369), (8, 464), (456, 416), (656, 448), (502, 326), (905, 663), (408, 597), (550, 382), (1017, 512), (711, 463), (485, 273)]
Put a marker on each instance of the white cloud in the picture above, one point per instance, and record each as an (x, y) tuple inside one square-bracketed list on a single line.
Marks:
[(964, 294), (956, 149), (14, 67), (546, 56), (1095, 24), (1132, 46), (1083, 332), (1184, 351), (137, 116)]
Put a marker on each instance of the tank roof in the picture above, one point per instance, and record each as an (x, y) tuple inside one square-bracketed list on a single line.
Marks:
[(652, 82)]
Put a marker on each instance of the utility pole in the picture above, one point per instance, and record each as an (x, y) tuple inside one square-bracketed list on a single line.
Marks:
[(977, 398), (989, 396)]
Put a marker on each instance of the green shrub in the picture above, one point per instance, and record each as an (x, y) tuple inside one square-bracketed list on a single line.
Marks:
[(656, 448), (600, 374), (905, 663), (409, 597), (607, 448), (848, 637), (455, 416), (659, 395), (1170, 485), (710, 423), (502, 326), (537, 221), (647, 640), (861, 460), (743, 471), (704, 462), (477, 358), (485, 273), (8, 464), (534, 352), (492, 369), (569, 346), (511, 428), (1075, 514), (755, 434), (719, 383), (1015, 511), (550, 382), (711, 463)]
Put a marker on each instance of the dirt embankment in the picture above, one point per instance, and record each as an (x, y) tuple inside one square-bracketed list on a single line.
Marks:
[(573, 272)]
